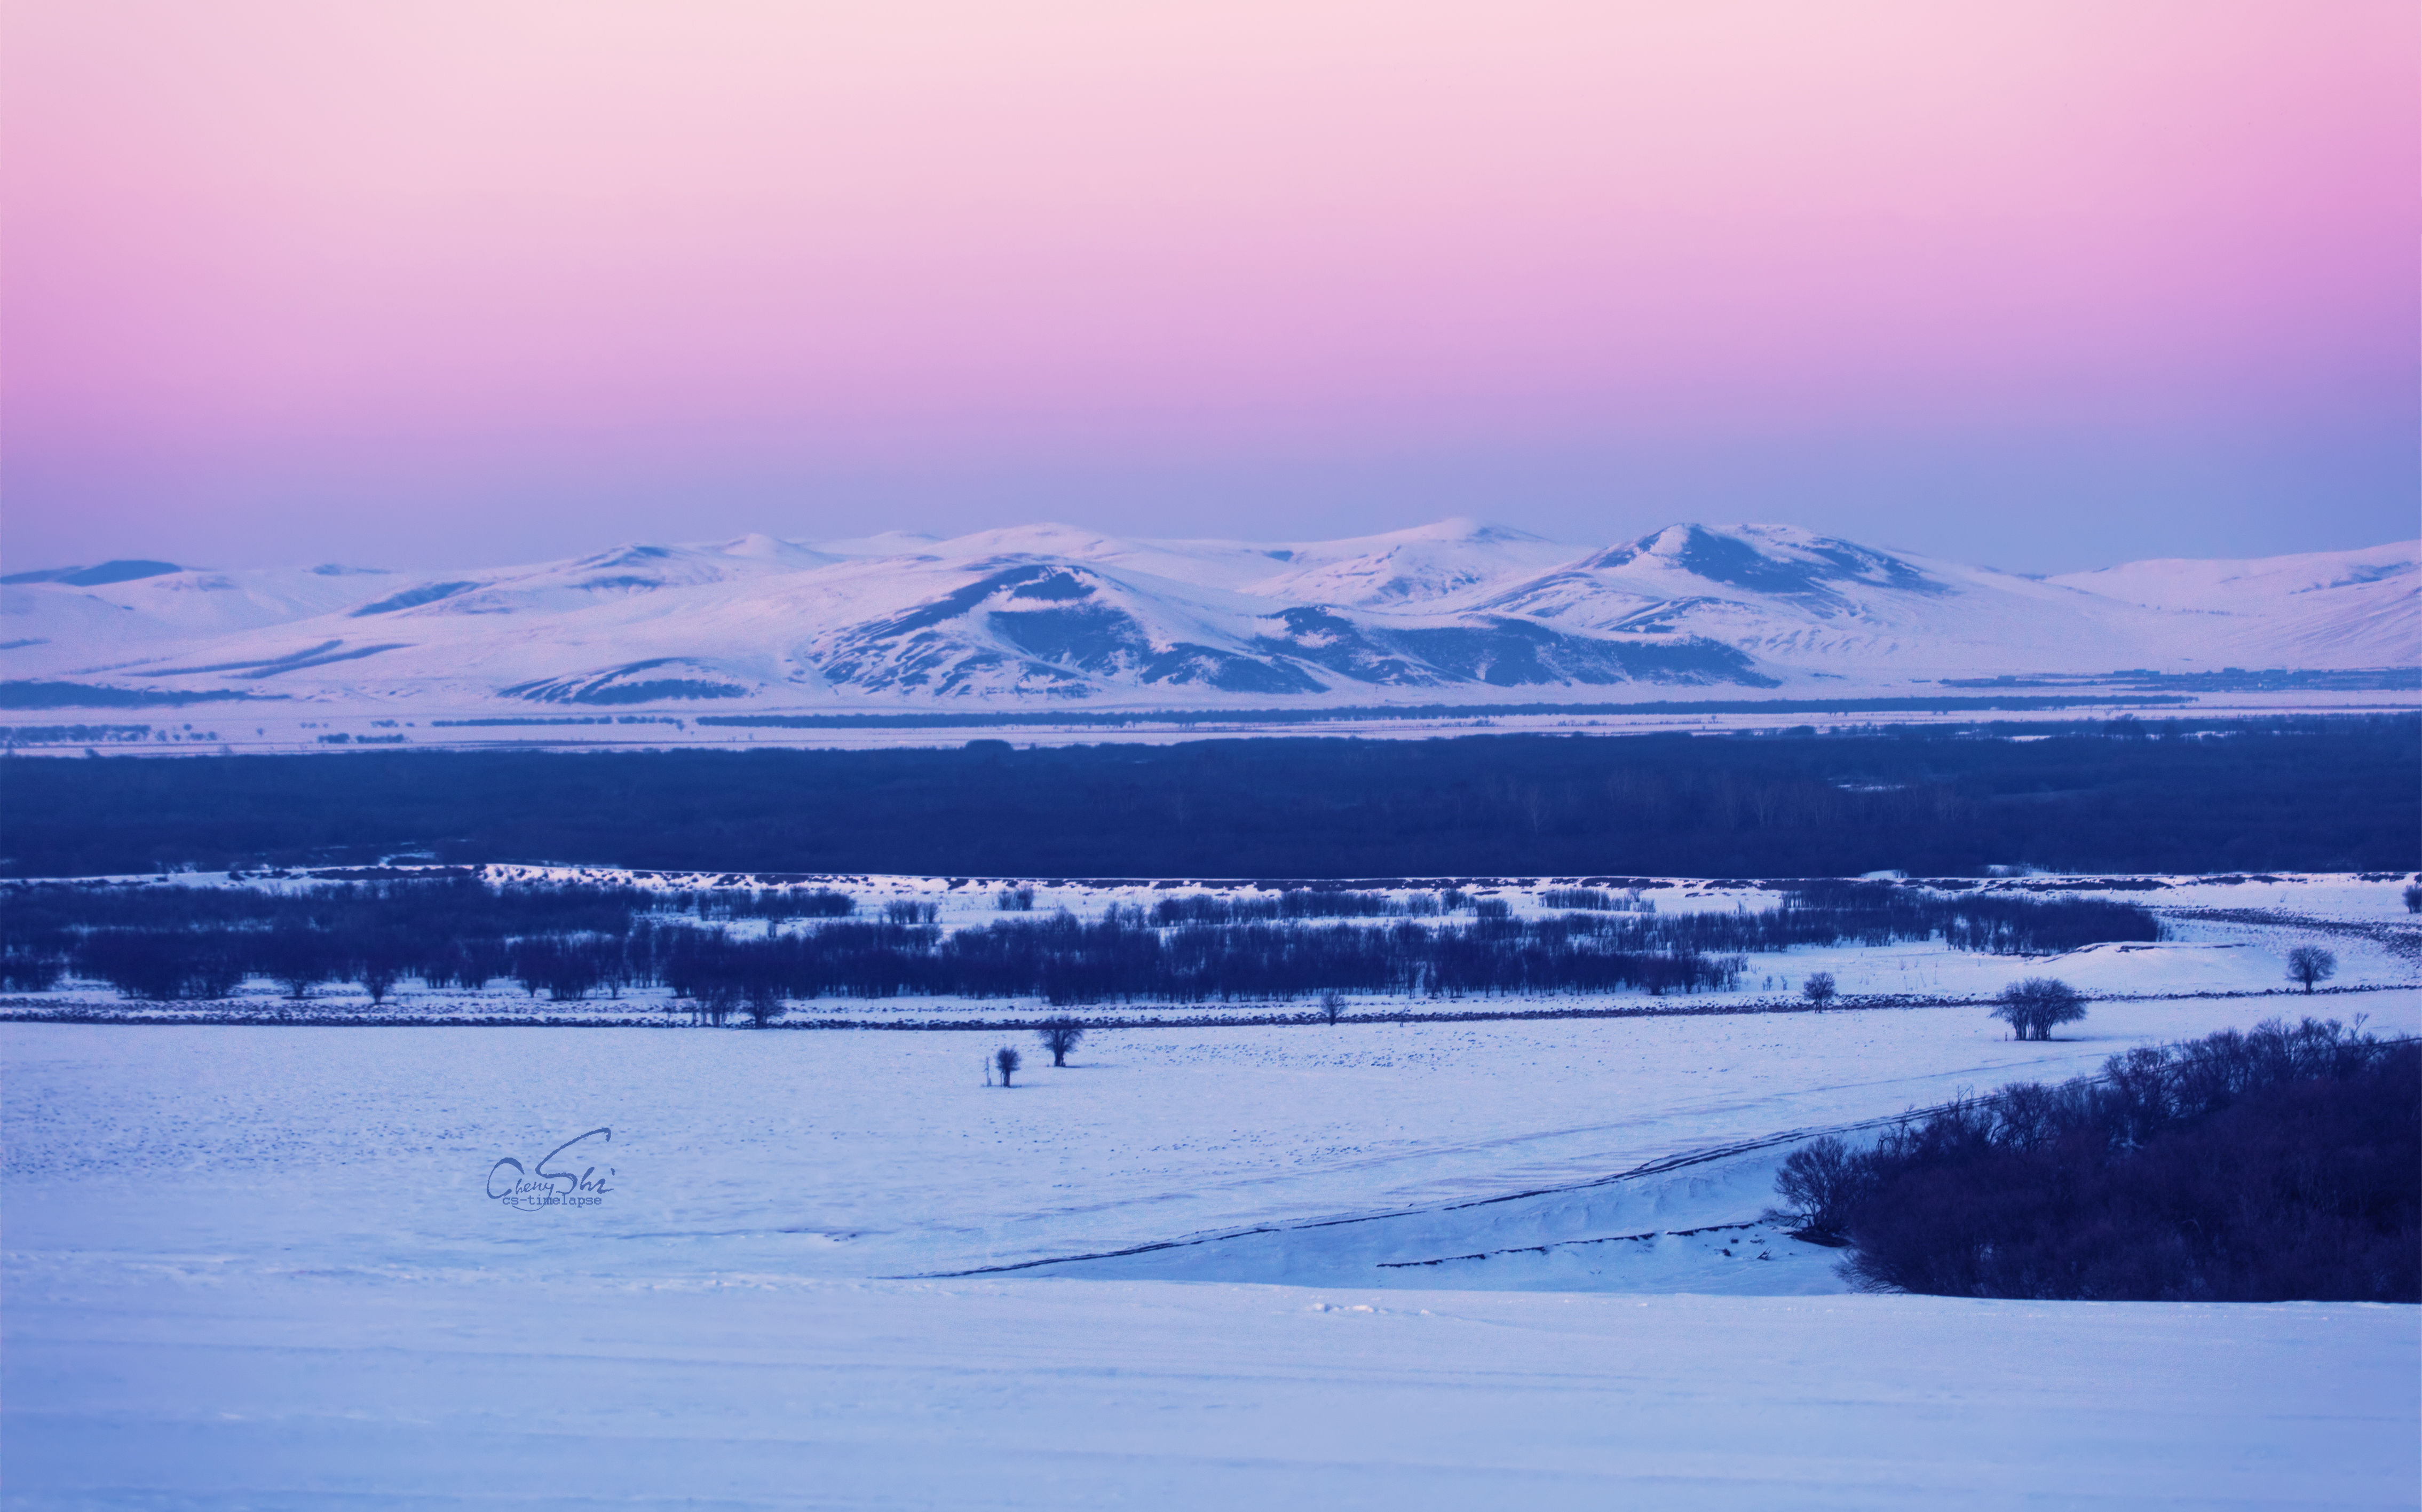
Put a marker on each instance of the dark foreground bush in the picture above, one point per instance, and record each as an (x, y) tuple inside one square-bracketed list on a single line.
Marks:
[(2278, 1165)]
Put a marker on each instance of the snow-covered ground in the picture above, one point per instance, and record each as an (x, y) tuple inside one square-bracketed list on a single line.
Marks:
[(1375, 1263), (356, 1390), (851, 1154)]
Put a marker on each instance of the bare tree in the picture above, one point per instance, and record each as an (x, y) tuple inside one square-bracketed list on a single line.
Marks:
[(1332, 1006), (297, 960), (1059, 1036), (2031, 1007), (1013, 900), (379, 977), (1818, 989), (1820, 1180), (2309, 963), (379, 961), (2413, 897), (717, 998), (764, 1002), (1008, 1061)]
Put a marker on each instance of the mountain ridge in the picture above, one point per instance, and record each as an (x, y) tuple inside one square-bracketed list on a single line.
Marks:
[(1055, 614)]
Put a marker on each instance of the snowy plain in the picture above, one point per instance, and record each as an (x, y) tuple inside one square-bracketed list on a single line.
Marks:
[(311, 1393), (1518, 1262)]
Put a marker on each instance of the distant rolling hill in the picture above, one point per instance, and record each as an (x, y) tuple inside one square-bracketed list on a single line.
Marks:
[(1048, 615)]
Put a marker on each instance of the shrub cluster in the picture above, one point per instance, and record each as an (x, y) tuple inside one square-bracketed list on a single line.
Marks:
[(2034, 1007), (1995, 924), (2281, 1164)]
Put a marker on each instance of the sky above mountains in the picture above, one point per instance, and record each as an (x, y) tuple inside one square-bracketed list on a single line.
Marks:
[(2047, 285)]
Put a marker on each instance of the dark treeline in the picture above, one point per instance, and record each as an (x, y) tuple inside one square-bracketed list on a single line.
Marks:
[(1124, 958), (764, 903), (450, 904), (1301, 903), (2277, 1165), (1879, 913), (172, 942), (2120, 796), (568, 941)]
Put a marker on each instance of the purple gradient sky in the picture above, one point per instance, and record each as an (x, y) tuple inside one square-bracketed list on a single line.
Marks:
[(2041, 283)]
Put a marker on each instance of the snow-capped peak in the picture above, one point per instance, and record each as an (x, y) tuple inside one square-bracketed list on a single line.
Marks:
[(1065, 612)]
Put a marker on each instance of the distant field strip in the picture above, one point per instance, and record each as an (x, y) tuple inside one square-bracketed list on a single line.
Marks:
[(673, 1015)]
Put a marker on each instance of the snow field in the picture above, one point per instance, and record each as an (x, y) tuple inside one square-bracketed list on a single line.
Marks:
[(278, 1392), (1366, 1265), (855, 1155)]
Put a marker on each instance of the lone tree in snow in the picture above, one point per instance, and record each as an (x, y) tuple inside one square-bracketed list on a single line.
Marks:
[(1332, 1006), (764, 1002), (1008, 1060), (1818, 989), (2309, 963), (2413, 897), (379, 962), (1059, 1036), (2034, 1006)]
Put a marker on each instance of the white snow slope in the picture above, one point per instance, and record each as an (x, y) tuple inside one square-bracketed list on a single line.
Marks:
[(260, 1268), (1050, 614), (285, 1392)]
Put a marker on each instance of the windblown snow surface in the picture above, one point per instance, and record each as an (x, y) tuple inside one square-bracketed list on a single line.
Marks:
[(1516, 1263)]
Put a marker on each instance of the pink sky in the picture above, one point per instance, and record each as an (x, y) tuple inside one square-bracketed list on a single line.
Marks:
[(335, 277)]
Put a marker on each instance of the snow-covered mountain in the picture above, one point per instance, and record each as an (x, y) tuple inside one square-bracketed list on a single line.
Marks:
[(1049, 612)]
